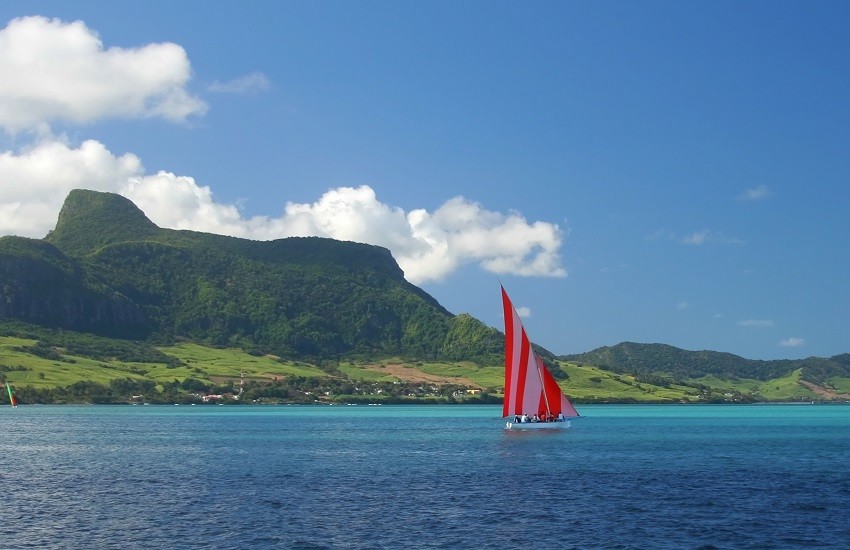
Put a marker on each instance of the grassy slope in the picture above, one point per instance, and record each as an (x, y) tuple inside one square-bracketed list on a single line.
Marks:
[(777, 389), (396, 370), (590, 383), (359, 373), (585, 383), (47, 373), (486, 377), (214, 363), (841, 385)]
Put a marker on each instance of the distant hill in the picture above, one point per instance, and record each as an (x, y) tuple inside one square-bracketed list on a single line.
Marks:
[(661, 361), (107, 269)]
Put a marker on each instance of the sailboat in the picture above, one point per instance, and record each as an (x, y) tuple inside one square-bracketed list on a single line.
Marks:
[(533, 399), (12, 399)]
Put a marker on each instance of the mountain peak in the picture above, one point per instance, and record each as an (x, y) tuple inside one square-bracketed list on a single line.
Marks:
[(92, 219)]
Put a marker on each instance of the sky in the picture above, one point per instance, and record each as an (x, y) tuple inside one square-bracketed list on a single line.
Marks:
[(656, 172)]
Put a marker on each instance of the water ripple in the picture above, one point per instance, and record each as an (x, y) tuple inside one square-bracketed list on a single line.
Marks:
[(109, 477)]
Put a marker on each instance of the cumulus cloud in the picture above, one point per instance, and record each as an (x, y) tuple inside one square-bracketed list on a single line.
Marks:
[(250, 83), (757, 323), (34, 183), (52, 70), (427, 245), (754, 194), (792, 342)]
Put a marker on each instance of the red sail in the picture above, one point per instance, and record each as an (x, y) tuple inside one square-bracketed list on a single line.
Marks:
[(558, 402), (529, 386)]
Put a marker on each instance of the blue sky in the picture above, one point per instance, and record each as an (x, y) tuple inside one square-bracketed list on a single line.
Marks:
[(671, 172)]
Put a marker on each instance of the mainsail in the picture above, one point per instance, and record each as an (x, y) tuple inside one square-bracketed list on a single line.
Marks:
[(529, 386)]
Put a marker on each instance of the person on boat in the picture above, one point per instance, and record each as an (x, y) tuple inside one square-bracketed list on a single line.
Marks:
[(561, 417), (535, 418), (524, 418)]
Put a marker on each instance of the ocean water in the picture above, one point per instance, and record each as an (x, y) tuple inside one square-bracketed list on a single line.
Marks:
[(648, 476)]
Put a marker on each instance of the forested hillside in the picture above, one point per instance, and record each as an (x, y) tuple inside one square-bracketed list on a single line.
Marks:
[(662, 363), (109, 270)]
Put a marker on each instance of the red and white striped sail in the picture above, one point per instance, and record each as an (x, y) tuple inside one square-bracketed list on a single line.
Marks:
[(529, 386)]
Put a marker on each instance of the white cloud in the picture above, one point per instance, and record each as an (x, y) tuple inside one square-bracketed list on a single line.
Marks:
[(792, 342), (34, 183), (697, 237), (758, 323), (177, 202), (250, 83), (708, 236), (501, 243), (523, 312), (427, 245), (754, 194), (51, 70)]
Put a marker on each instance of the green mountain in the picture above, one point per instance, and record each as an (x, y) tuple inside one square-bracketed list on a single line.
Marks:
[(663, 364), (108, 270)]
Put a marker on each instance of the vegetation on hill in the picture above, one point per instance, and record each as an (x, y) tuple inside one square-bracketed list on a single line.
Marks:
[(108, 270), (89, 220), (50, 366), (664, 365), (39, 284), (111, 308)]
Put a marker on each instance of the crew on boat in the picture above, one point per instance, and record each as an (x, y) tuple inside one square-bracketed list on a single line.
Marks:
[(539, 417)]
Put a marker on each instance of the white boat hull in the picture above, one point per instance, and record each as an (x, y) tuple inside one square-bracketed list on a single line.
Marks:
[(537, 425)]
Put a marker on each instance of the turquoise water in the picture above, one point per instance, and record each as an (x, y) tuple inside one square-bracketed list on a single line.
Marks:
[(647, 476)]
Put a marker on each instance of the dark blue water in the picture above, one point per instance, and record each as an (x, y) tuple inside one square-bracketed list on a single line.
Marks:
[(425, 477)]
